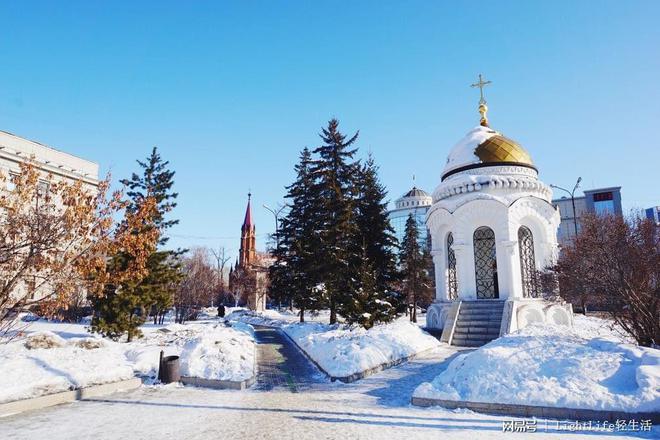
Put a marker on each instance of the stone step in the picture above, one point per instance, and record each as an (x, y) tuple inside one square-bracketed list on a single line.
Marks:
[(479, 323), (465, 342), (480, 315), (477, 331)]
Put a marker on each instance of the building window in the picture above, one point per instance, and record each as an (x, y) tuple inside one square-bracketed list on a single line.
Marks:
[(452, 283), (528, 274), (42, 188), (10, 181), (604, 203), (485, 263)]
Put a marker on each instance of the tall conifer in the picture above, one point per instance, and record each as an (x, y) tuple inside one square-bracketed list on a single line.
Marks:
[(414, 266), (334, 171), (157, 180)]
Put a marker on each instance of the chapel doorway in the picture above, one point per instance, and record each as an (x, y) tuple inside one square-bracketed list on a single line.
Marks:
[(485, 263)]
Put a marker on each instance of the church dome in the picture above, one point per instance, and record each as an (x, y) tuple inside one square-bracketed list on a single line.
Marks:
[(414, 198), (481, 147)]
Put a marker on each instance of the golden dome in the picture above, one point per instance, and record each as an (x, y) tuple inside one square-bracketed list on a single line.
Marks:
[(498, 149), (484, 147)]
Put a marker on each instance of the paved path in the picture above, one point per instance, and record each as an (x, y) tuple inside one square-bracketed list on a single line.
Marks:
[(281, 365)]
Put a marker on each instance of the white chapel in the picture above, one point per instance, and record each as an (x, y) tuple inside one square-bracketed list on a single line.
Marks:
[(493, 227)]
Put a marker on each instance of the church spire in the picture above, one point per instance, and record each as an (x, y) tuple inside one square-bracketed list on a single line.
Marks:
[(247, 222), (248, 250), (483, 107)]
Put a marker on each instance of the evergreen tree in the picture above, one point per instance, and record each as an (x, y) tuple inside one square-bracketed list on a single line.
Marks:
[(294, 276), (370, 304), (164, 266), (117, 311), (334, 189), (375, 232), (414, 266)]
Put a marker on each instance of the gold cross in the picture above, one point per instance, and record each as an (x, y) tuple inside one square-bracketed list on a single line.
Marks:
[(481, 84)]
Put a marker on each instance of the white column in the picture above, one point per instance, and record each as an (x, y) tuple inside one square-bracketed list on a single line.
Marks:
[(439, 261), (465, 271), (508, 270)]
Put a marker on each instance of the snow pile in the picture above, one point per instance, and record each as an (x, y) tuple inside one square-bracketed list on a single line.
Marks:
[(590, 327), (45, 363), (342, 351), (270, 319), (553, 366), (224, 354), (144, 353)]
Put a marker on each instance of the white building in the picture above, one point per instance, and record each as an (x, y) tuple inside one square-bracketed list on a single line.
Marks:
[(14, 150), (62, 166), (493, 226), (416, 202)]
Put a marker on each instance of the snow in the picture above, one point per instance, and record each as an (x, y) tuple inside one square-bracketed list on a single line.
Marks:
[(223, 354), (53, 357), (56, 364), (377, 407), (342, 351), (463, 152), (589, 366)]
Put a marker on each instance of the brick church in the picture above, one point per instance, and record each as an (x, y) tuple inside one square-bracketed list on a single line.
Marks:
[(249, 276)]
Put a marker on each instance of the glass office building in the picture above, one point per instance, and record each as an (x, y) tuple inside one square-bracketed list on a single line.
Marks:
[(416, 202)]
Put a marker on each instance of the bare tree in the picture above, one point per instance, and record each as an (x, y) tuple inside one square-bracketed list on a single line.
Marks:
[(243, 282), (198, 286), (614, 263), (221, 259)]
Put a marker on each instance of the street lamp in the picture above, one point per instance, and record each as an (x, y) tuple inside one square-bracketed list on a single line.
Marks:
[(572, 194), (276, 214)]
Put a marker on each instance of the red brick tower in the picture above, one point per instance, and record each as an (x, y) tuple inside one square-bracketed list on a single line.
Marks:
[(248, 251)]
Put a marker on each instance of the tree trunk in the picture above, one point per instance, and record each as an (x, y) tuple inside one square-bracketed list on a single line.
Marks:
[(302, 314), (333, 312)]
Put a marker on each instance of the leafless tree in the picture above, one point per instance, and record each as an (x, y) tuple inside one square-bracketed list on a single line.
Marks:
[(614, 263), (221, 259), (198, 286)]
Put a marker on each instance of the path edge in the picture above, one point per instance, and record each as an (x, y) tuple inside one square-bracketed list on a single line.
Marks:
[(45, 401), (546, 412)]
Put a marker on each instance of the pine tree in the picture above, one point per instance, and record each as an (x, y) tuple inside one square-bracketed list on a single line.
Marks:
[(370, 304), (375, 232), (414, 266), (334, 188), (165, 270), (294, 276)]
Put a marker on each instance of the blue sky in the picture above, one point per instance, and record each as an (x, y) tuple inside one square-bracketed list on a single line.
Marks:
[(231, 91)]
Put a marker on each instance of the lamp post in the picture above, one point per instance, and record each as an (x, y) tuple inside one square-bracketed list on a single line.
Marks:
[(276, 214), (572, 194)]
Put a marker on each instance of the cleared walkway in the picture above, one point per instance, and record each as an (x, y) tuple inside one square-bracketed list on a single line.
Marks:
[(281, 365)]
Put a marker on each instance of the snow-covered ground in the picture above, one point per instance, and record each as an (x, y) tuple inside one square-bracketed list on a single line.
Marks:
[(45, 363), (342, 351), (53, 357), (377, 407), (590, 366)]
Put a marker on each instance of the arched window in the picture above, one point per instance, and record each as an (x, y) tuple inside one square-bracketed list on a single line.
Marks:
[(452, 283), (528, 274), (485, 263)]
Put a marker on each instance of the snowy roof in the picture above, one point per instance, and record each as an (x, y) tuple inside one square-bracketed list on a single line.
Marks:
[(483, 146), (463, 152)]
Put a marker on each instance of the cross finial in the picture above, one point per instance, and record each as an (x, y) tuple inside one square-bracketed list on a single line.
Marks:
[(483, 108), (481, 84)]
